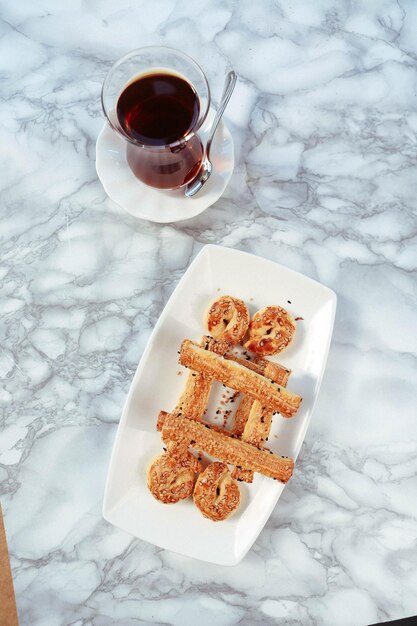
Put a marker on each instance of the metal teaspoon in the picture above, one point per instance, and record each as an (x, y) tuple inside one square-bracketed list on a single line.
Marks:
[(206, 168)]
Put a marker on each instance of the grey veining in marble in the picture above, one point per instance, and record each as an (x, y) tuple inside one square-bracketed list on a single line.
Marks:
[(325, 125)]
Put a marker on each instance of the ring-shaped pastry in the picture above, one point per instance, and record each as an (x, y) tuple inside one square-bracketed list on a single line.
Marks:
[(270, 331), (216, 494), (228, 319), (171, 480)]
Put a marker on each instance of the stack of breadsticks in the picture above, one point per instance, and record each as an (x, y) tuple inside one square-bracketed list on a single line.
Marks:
[(178, 473)]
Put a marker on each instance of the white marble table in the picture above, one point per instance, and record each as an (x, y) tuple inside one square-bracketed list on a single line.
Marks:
[(325, 126)]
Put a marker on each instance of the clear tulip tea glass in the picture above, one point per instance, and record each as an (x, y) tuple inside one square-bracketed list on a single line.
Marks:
[(157, 99)]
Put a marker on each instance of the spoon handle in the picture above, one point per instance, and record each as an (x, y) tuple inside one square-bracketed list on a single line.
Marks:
[(229, 85)]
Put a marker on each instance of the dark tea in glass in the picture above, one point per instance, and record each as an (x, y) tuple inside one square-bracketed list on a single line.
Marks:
[(158, 111)]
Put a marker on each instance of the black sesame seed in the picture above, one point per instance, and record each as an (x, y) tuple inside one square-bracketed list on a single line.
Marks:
[(289, 301), (218, 491)]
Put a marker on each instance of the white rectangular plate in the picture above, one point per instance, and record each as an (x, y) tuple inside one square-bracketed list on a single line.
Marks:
[(156, 385)]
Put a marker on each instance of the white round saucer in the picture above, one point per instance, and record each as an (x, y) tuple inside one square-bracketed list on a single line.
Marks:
[(122, 186)]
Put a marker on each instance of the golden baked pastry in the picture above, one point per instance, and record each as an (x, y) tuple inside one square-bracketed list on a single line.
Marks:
[(258, 425), (242, 414), (173, 476), (252, 420), (171, 480), (243, 475), (225, 447), (276, 397), (193, 400), (274, 371), (228, 319), (218, 346), (256, 432), (176, 448), (216, 494), (278, 373), (270, 331)]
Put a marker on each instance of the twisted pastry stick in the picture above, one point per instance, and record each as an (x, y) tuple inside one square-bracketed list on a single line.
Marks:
[(270, 331), (171, 479), (274, 371), (276, 397), (256, 432), (242, 414), (194, 398), (225, 447), (253, 420)]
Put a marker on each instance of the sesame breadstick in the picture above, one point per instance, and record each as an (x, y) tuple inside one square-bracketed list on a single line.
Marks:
[(278, 373), (273, 371), (256, 432), (193, 400), (258, 419), (226, 448), (258, 425), (242, 414), (176, 448), (276, 397)]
